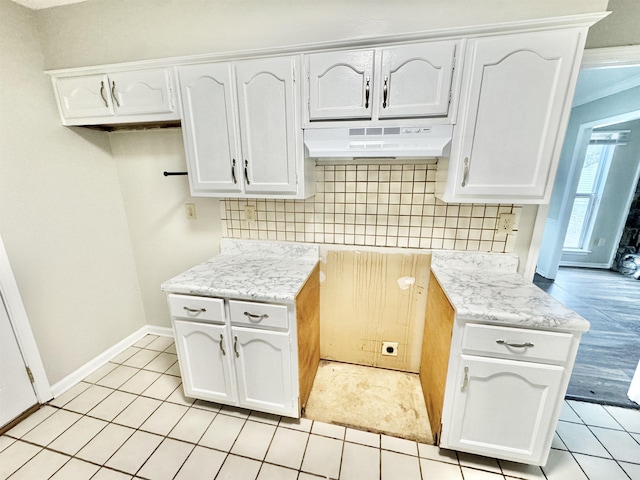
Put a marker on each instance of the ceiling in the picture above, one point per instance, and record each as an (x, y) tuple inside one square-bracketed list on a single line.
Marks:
[(601, 82), (40, 4)]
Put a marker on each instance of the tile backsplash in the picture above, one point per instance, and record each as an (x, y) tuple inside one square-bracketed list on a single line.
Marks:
[(374, 205)]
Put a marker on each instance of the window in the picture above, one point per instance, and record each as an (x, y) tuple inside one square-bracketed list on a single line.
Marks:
[(590, 186)]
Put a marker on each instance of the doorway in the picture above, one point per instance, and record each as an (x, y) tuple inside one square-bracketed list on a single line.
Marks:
[(607, 99)]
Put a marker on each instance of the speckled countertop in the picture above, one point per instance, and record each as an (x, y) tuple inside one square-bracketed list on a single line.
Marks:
[(250, 270), (486, 288)]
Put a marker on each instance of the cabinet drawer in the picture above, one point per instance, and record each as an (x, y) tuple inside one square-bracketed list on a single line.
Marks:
[(516, 343), (200, 308), (258, 314)]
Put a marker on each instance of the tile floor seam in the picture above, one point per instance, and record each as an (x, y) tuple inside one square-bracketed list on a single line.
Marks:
[(66, 455), (245, 416)]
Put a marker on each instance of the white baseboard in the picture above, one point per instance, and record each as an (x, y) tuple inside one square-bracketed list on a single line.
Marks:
[(585, 265), (74, 378)]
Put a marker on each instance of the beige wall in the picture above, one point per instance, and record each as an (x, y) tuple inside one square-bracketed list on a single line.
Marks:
[(61, 213), (164, 242), (109, 31)]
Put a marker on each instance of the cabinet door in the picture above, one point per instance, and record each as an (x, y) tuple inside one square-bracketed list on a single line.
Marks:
[(416, 80), (340, 85), (143, 92), (514, 94), (205, 361), (85, 96), (263, 368), (209, 128), (269, 124), (504, 408)]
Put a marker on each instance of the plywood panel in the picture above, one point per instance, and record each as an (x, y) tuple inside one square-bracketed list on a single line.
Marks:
[(362, 304), (436, 344), (308, 324)]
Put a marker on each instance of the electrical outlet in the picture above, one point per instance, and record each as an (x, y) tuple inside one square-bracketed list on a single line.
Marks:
[(505, 222), (390, 349), (250, 213), (190, 211)]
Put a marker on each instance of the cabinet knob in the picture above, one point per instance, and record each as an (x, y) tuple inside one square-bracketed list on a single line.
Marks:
[(385, 92), (515, 345), (254, 317), (233, 171), (113, 94), (465, 382), (246, 172), (465, 175), (195, 311), (102, 94), (222, 345), (367, 91)]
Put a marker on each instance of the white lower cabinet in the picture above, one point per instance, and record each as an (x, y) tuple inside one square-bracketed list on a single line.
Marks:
[(504, 406), (505, 388), (495, 390), (205, 361), (263, 369), (252, 366)]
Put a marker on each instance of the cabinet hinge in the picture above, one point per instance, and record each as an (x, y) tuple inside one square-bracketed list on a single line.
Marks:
[(30, 375), (171, 95), (294, 75)]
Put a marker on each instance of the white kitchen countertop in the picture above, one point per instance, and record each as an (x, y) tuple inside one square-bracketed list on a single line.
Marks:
[(250, 270), (488, 289)]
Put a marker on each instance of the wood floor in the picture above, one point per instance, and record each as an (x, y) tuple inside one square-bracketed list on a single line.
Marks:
[(609, 352)]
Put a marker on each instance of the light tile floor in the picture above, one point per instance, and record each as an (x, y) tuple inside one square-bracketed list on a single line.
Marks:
[(130, 420)]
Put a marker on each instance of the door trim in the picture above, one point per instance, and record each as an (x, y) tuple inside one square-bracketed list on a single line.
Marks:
[(20, 322), (592, 58)]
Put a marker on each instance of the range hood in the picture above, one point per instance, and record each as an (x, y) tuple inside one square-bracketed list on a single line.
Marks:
[(379, 142)]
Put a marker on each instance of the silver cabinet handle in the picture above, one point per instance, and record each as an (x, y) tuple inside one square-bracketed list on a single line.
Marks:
[(465, 176), (195, 310), (256, 318), (235, 346), (515, 345), (385, 92), (246, 172), (233, 171), (367, 91), (104, 97), (113, 94), (222, 345), (465, 382)]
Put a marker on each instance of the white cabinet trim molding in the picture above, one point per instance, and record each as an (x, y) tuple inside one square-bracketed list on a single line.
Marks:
[(581, 20)]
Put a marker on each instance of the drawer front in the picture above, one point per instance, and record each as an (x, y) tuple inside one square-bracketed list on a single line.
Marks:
[(516, 343), (253, 314), (197, 308)]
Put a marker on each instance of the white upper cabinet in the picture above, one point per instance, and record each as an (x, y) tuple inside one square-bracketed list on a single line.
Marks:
[(242, 130), (118, 97), (514, 104), (340, 85), (416, 80), (84, 97), (209, 127), (408, 81), (269, 124)]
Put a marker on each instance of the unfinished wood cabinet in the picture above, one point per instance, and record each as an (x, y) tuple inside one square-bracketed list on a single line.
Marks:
[(436, 344), (260, 356)]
